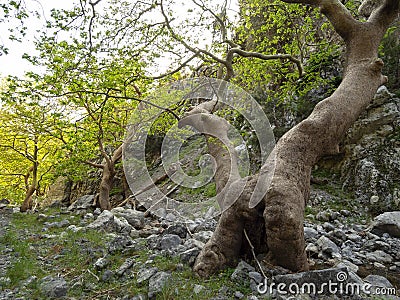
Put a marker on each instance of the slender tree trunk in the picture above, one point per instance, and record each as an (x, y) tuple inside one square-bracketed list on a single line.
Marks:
[(107, 179), (31, 188), (105, 187), (66, 200), (282, 208)]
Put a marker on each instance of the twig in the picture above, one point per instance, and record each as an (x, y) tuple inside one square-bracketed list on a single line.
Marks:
[(254, 254), (97, 277)]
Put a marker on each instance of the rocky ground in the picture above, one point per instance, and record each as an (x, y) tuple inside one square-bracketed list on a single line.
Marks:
[(83, 253)]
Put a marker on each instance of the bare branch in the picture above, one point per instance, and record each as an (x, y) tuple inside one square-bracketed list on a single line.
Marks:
[(99, 166), (184, 64), (270, 57)]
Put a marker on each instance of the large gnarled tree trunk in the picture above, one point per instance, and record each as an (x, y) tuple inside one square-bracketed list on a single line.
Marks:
[(276, 224)]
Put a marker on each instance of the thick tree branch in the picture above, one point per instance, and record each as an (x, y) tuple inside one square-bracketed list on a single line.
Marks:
[(384, 15), (337, 13)]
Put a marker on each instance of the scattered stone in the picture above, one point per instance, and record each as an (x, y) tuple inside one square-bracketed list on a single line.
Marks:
[(145, 275), (312, 249), (310, 233), (135, 218), (170, 241), (53, 287), (109, 223), (157, 282), (239, 295), (107, 275), (198, 289), (203, 236), (255, 279), (388, 222), (328, 226), (318, 279), (354, 237), (119, 243), (177, 229), (101, 263), (128, 263), (74, 228), (378, 281), (241, 273), (379, 256), (189, 256), (82, 203), (327, 246), (347, 264), (323, 216)]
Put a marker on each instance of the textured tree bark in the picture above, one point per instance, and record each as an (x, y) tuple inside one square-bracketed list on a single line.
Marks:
[(280, 229), (107, 179)]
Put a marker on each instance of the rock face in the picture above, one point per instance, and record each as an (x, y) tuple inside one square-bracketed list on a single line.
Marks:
[(371, 166)]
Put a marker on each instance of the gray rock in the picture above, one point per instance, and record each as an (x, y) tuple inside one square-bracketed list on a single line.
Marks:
[(145, 274), (189, 256), (157, 282), (178, 229), (197, 289), (191, 243), (354, 237), (255, 279), (310, 233), (377, 245), (377, 280), (101, 263), (119, 244), (54, 287), (107, 222), (170, 241), (128, 263), (82, 203), (327, 246), (388, 222), (311, 249), (238, 295), (74, 228), (133, 217), (107, 276), (310, 280), (379, 256), (347, 264), (323, 216), (328, 226), (203, 236), (241, 273)]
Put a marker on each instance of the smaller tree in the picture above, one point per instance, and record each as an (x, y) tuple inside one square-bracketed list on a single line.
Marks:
[(29, 151)]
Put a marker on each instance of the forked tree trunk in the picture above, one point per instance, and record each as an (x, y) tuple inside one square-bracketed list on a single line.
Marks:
[(276, 224)]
